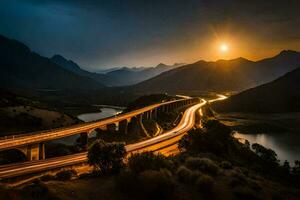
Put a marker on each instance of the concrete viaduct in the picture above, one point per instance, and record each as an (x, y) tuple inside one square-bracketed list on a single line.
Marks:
[(32, 144)]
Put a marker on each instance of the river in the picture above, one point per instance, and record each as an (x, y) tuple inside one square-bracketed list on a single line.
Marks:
[(280, 132), (286, 145), (88, 117)]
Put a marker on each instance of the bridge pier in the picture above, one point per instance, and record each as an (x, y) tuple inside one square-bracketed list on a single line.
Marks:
[(154, 113), (111, 127), (84, 138), (141, 125), (34, 151), (123, 126)]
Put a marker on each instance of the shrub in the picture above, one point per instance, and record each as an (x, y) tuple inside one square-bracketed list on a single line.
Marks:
[(205, 183), (47, 177), (126, 182), (237, 178), (149, 184), (106, 157), (226, 165), (186, 175), (148, 161), (245, 193), (202, 164), (65, 175), (156, 184), (216, 139)]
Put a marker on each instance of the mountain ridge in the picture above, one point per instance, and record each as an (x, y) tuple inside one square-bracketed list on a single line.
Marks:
[(279, 95), (23, 68), (222, 75)]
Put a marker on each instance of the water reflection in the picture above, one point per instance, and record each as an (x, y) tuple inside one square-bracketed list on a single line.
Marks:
[(286, 145), (88, 117), (105, 112)]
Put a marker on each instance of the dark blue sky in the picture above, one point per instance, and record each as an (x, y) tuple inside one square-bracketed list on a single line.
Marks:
[(101, 34)]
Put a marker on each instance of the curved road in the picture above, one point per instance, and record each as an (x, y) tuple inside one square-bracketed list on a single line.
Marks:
[(31, 138), (163, 143)]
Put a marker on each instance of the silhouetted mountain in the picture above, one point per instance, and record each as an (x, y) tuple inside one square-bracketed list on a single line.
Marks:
[(116, 76), (130, 76), (222, 75), (74, 67), (104, 71), (280, 95), (21, 68), (67, 64)]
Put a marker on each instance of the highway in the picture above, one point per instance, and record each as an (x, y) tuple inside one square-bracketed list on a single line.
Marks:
[(165, 143), (24, 139)]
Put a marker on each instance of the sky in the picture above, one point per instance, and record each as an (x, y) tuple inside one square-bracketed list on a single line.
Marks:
[(110, 33)]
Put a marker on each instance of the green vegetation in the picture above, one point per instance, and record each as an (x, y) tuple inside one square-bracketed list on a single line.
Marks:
[(211, 165), (106, 157)]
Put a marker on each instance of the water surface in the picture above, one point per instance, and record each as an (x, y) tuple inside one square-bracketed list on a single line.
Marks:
[(286, 145), (88, 117)]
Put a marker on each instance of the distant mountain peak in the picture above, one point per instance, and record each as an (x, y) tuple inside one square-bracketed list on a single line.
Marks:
[(63, 62), (239, 59), (57, 56), (288, 52), (161, 65)]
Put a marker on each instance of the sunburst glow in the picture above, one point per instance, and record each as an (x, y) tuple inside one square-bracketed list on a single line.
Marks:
[(224, 47)]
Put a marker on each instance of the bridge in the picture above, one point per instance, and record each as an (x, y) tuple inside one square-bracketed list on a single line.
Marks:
[(164, 143), (33, 144)]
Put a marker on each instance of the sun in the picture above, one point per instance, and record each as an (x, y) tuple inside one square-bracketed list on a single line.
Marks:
[(224, 48)]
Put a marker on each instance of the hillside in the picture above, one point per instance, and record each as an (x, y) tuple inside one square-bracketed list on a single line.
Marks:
[(22, 68), (280, 95), (19, 114), (223, 75), (74, 67)]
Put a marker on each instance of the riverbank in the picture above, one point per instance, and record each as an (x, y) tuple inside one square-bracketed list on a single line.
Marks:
[(280, 132)]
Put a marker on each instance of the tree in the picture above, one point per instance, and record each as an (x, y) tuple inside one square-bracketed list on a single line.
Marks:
[(268, 155), (106, 157), (286, 166), (216, 138)]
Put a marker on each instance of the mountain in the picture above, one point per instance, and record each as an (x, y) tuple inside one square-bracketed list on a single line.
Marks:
[(222, 75), (22, 68), (67, 64), (115, 76), (130, 76), (104, 71), (280, 95), (74, 67)]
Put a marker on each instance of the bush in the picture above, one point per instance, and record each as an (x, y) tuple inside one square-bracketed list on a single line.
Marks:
[(156, 184), (106, 157), (237, 178), (47, 177), (126, 181), (149, 184), (216, 139), (66, 175), (245, 193), (202, 164), (148, 161), (205, 183), (186, 175), (226, 165)]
